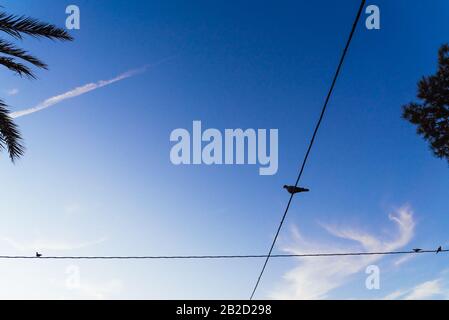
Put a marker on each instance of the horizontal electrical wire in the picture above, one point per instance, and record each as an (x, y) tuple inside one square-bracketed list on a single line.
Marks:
[(217, 257)]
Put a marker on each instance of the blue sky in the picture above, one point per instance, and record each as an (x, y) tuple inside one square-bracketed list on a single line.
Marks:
[(97, 178)]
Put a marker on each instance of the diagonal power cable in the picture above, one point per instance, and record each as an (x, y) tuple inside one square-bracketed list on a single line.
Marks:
[(312, 140)]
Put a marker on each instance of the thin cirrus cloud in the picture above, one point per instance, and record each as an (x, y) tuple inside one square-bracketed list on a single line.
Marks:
[(44, 244), (83, 90), (76, 93), (97, 291), (12, 92), (427, 290), (315, 278)]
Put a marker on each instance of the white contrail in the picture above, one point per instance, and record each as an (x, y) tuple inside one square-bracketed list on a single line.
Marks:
[(81, 90)]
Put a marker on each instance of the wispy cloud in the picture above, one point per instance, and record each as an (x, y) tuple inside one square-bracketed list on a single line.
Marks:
[(395, 295), (76, 93), (404, 259), (83, 90), (52, 245), (98, 291), (426, 290), (12, 92), (314, 278)]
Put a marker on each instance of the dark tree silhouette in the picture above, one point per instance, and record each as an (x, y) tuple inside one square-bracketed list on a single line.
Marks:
[(12, 57), (432, 115)]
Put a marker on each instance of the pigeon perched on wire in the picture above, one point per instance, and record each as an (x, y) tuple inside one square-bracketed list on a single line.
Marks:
[(293, 189), (38, 255), (417, 250), (439, 249)]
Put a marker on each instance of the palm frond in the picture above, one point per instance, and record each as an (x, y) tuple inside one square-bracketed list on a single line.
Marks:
[(10, 137), (18, 68), (16, 26), (11, 50)]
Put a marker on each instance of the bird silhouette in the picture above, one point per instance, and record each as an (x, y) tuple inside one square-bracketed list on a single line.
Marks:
[(293, 189), (38, 255), (417, 250), (439, 249)]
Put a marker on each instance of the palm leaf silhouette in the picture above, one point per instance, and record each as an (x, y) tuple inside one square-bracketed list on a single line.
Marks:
[(16, 59)]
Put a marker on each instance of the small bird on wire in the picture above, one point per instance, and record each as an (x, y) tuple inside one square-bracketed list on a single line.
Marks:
[(439, 249), (417, 250), (38, 255), (293, 189)]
